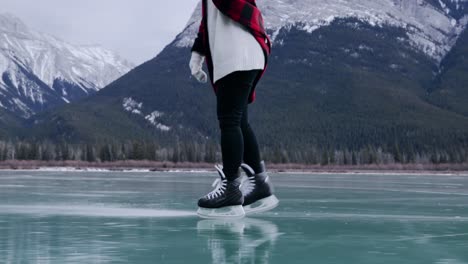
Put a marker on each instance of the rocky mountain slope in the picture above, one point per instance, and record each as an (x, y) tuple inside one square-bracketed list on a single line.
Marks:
[(39, 71), (343, 75)]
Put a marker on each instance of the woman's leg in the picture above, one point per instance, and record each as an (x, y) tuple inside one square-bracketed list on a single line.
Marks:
[(251, 149), (232, 99)]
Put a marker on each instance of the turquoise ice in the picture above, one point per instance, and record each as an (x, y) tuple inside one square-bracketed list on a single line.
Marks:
[(149, 217)]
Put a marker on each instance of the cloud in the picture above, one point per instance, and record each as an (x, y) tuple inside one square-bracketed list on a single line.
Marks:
[(137, 29)]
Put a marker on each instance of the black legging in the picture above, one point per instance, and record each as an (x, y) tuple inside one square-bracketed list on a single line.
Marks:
[(238, 140)]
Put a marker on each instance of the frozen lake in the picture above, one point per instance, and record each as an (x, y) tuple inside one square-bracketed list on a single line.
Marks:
[(149, 217)]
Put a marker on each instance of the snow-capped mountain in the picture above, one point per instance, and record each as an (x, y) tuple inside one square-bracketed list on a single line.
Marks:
[(432, 26), (343, 74), (39, 71)]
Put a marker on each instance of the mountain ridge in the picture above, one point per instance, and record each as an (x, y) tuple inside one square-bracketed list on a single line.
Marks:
[(347, 86), (431, 28), (39, 71)]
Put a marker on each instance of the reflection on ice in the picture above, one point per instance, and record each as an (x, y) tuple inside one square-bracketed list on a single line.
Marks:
[(239, 241), (96, 211)]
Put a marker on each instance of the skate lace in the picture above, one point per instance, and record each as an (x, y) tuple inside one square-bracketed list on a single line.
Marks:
[(248, 185), (220, 188)]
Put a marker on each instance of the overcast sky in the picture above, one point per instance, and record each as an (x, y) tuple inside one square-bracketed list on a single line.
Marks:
[(136, 29)]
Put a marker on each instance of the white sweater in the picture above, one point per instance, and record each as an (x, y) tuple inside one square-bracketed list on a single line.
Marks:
[(232, 47)]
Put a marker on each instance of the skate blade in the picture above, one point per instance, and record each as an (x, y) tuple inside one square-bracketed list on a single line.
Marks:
[(220, 213), (262, 205)]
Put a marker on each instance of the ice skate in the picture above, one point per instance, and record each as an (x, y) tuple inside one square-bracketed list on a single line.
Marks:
[(257, 191), (225, 201)]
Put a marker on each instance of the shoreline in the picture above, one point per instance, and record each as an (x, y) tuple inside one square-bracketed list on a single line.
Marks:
[(157, 166)]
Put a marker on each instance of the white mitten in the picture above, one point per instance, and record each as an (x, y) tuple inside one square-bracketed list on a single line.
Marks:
[(196, 64)]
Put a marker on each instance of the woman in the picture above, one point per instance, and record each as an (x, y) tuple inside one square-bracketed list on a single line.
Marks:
[(232, 38)]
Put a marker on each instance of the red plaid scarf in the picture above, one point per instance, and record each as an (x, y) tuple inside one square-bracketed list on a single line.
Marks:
[(247, 14)]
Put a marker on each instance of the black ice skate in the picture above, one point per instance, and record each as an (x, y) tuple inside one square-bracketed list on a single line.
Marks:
[(258, 191), (225, 201)]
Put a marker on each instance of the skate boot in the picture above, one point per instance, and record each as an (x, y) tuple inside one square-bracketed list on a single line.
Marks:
[(257, 191), (225, 201)]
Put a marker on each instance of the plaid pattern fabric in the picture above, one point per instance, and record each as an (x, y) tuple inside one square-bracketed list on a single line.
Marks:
[(246, 13)]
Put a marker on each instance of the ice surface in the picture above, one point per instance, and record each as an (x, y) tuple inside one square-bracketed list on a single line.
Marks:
[(149, 217), (86, 210)]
